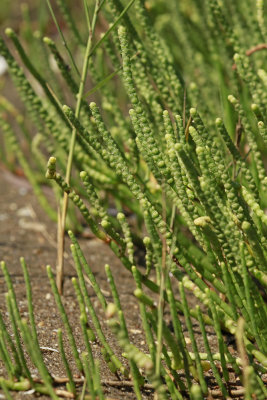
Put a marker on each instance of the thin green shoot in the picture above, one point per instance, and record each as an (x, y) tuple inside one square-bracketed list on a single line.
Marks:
[(60, 263), (62, 37)]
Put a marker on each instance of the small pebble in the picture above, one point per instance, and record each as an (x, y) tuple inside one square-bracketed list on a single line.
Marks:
[(95, 304), (135, 331), (23, 191), (25, 212), (13, 206), (3, 217)]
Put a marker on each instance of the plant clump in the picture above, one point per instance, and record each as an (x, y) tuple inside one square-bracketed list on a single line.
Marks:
[(172, 132)]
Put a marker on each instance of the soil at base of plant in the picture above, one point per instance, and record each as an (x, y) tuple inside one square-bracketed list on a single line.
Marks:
[(25, 230)]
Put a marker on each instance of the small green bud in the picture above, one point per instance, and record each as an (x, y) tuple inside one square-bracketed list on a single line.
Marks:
[(196, 392), (168, 136), (245, 226), (51, 168), (105, 223), (254, 107), (140, 295), (9, 32), (107, 268), (218, 122), (232, 99), (47, 40), (83, 175), (193, 86), (193, 111), (200, 150), (147, 241), (121, 30), (202, 221), (66, 109), (52, 161), (111, 310), (120, 216), (92, 105), (237, 57), (94, 212), (178, 146)]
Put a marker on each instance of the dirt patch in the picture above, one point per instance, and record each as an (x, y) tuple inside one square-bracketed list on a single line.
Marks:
[(26, 231)]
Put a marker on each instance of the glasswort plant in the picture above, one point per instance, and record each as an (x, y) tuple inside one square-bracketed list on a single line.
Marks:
[(174, 133)]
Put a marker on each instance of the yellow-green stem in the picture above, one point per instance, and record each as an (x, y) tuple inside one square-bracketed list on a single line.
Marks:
[(161, 295), (61, 241)]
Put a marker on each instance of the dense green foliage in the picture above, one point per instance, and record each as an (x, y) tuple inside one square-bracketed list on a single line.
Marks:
[(178, 138)]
